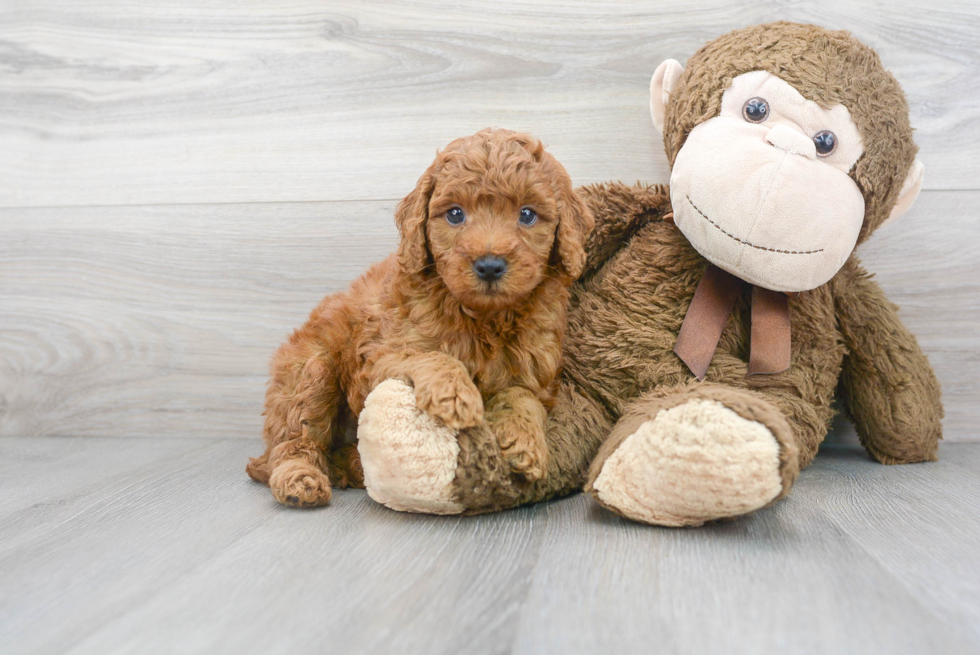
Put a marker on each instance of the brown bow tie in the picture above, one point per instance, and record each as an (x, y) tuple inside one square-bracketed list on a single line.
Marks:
[(709, 311)]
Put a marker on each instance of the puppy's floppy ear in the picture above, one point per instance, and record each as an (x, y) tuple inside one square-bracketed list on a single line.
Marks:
[(575, 223), (411, 216)]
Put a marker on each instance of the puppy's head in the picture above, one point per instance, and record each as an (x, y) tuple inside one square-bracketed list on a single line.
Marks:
[(494, 216)]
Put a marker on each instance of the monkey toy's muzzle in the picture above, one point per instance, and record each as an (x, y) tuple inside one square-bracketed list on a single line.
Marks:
[(766, 210)]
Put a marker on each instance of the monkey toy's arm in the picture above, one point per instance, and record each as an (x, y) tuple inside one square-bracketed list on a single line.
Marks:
[(889, 389), (620, 211)]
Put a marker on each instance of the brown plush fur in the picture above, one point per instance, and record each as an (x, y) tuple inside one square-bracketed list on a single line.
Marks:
[(473, 350), (641, 274)]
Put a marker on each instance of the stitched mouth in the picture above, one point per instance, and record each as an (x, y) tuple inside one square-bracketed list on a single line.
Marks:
[(742, 241)]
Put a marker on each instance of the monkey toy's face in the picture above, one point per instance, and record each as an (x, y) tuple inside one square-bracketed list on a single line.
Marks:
[(762, 189)]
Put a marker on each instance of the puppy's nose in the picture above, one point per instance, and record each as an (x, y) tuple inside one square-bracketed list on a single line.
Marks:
[(489, 268)]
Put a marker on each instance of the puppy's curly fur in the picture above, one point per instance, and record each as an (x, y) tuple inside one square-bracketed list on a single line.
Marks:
[(475, 348)]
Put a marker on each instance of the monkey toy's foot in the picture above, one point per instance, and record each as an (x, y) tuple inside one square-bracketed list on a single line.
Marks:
[(694, 461), (409, 458)]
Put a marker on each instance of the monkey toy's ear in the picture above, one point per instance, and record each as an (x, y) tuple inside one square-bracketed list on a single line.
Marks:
[(661, 85), (910, 191)]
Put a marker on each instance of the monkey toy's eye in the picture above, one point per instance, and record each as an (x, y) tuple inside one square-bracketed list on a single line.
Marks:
[(826, 143), (528, 217), (455, 216), (755, 110)]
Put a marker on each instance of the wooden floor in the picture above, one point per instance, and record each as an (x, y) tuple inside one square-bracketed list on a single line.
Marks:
[(182, 181), (127, 545)]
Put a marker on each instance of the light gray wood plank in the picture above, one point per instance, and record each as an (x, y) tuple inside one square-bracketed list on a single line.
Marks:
[(152, 321), (175, 561), (181, 553), (161, 320), (38, 475), (363, 580), (92, 554), (915, 521), (188, 102), (808, 575)]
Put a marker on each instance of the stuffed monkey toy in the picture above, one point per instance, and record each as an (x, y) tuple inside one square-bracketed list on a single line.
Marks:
[(716, 319)]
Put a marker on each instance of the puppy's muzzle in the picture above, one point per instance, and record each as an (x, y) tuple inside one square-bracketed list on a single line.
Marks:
[(490, 268)]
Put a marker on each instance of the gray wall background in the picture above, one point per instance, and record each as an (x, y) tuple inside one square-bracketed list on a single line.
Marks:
[(181, 182)]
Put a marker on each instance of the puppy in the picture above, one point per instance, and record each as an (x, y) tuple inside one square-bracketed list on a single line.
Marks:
[(470, 311)]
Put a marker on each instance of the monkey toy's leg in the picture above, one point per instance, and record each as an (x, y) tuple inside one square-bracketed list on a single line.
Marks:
[(413, 463), (408, 457), (701, 452), (576, 427)]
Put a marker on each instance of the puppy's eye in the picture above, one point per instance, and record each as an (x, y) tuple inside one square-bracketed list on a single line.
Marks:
[(756, 110), (826, 143), (528, 217), (455, 216)]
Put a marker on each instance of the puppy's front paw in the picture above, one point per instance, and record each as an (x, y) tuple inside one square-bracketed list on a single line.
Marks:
[(453, 399), (524, 447), (298, 483)]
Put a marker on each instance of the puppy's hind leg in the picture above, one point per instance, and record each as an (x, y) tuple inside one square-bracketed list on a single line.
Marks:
[(258, 468), (302, 403), (299, 473)]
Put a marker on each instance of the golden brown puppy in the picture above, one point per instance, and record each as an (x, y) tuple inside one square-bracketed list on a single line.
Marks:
[(470, 311)]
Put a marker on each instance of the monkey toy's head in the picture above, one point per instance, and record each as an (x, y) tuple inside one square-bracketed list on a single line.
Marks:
[(788, 144)]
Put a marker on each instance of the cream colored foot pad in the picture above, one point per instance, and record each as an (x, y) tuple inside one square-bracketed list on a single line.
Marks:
[(409, 458), (692, 463)]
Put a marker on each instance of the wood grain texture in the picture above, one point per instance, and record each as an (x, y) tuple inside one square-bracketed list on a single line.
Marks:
[(812, 574), (158, 546), (181, 182), (161, 320), (107, 103)]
